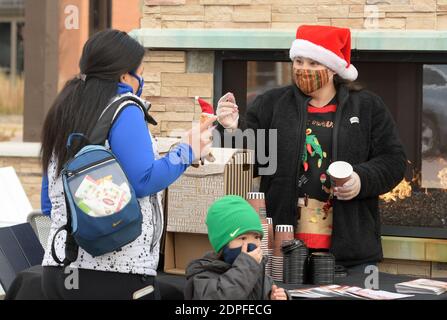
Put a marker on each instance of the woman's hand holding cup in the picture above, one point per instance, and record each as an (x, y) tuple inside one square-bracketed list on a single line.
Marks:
[(347, 183)]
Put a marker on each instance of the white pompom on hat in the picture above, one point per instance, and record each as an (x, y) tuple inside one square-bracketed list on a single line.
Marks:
[(330, 46)]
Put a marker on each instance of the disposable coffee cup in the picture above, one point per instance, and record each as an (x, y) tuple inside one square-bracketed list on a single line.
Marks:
[(257, 201), (340, 172)]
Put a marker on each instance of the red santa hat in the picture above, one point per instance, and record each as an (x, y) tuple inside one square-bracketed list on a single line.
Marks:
[(330, 46), (206, 107)]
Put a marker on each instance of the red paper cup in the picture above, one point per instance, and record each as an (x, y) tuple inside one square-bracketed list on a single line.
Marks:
[(257, 200)]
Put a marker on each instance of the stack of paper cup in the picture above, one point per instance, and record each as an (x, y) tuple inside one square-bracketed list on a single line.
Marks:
[(265, 228), (257, 200), (283, 233), (265, 239), (269, 253), (271, 234)]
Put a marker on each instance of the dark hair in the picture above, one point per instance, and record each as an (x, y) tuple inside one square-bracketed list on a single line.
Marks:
[(106, 56), (351, 85)]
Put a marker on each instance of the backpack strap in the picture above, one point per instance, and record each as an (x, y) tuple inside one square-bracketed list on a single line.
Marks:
[(100, 132), (71, 247)]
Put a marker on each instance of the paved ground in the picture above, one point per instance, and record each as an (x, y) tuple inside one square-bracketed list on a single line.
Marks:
[(11, 128)]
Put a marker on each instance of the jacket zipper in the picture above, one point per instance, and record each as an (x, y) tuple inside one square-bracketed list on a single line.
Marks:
[(90, 166)]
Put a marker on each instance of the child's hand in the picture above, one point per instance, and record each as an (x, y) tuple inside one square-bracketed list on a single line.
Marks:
[(255, 254), (278, 293)]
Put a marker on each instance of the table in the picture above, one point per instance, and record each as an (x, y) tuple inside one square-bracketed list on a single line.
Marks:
[(356, 277), (171, 286), (28, 284)]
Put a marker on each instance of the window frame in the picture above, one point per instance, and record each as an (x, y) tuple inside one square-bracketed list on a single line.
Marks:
[(100, 15)]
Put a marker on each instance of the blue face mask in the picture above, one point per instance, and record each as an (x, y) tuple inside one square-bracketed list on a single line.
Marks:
[(229, 255), (140, 83)]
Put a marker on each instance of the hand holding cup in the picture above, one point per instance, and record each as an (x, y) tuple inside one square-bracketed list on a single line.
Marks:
[(346, 181)]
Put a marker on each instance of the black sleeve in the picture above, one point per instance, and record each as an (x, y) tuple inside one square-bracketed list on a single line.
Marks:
[(387, 162)]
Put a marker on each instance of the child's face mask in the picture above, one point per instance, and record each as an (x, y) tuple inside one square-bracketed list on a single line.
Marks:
[(230, 254)]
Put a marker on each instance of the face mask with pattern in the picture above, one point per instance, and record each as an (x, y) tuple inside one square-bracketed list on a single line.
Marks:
[(311, 80)]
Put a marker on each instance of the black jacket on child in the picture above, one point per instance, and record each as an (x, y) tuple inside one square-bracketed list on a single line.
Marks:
[(210, 278), (370, 144)]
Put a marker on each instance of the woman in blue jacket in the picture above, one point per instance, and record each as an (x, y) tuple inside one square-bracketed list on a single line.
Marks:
[(111, 64)]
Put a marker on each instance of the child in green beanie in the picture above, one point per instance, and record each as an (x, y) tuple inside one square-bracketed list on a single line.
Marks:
[(236, 269)]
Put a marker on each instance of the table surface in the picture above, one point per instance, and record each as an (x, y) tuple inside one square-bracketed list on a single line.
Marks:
[(386, 282), (172, 285)]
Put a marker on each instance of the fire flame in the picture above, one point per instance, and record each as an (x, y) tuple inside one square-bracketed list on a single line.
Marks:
[(401, 191)]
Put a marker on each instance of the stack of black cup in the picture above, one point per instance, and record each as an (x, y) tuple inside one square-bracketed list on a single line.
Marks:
[(295, 255), (322, 266)]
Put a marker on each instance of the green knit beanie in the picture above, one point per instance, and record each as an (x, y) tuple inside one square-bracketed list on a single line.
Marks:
[(228, 218)]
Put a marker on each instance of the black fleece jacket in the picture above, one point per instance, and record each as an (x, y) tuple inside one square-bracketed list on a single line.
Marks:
[(371, 145)]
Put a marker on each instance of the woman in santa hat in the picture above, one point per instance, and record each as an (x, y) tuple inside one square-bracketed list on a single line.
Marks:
[(320, 119)]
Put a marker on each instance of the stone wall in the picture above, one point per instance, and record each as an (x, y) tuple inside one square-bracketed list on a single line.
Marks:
[(287, 14), (173, 79), (414, 268)]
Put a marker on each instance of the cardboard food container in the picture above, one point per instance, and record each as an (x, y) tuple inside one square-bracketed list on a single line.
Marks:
[(193, 193), (182, 248), (164, 144)]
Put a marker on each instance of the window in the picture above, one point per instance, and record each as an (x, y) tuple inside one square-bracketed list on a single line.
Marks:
[(247, 74), (265, 75), (434, 127), (100, 15), (11, 78), (5, 48)]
